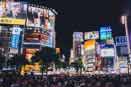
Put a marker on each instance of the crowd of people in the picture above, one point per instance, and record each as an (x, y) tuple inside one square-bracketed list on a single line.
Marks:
[(12, 79)]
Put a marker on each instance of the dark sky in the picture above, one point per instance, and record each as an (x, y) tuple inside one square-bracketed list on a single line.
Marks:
[(81, 15)]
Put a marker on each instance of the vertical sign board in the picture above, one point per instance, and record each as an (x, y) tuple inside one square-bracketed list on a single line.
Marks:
[(15, 41), (15, 37)]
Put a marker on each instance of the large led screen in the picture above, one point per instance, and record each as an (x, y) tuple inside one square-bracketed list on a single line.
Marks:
[(40, 17), (13, 12), (105, 33), (32, 35)]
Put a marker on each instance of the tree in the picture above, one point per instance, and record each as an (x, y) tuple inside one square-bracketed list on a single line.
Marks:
[(78, 65), (46, 55), (19, 61)]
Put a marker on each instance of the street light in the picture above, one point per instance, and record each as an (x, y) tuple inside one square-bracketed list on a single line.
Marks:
[(124, 21)]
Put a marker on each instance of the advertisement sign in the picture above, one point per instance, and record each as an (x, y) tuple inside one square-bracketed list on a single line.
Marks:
[(91, 35), (47, 38), (89, 44), (32, 35), (15, 41), (12, 21), (29, 52), (51, 23), (107, 52), (105, 33), (40, 17), (121, 40), (16, 30), (78, 36), (35, 17), (13, 12)]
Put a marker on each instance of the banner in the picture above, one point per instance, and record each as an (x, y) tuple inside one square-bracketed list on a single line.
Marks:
[(12, 21), (91, 35)]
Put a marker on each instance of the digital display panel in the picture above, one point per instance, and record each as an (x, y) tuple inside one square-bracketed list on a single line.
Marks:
[(105, 33), (40, 17), (35, 16), (13, 12), (32, 35)]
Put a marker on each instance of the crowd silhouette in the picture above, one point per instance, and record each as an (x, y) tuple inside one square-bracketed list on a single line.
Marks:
[(13, 79)]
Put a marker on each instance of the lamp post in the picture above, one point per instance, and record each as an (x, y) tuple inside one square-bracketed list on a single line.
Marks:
[(124, 21)]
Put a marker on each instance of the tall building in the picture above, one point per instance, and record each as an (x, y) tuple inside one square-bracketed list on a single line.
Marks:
[(24, 33), (77, 41)]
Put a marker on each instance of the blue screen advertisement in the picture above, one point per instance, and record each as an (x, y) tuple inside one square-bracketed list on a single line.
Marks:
[(15, 41), (105, 33)]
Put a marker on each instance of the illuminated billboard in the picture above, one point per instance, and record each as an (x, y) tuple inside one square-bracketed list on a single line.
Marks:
[(40, 17), (107, 52), (32, 35), (78, 36), (51, 23), (15, 39), (29, 52), (121, 40), (35, 17), (47, 38), (91, 35), (105, 33), (89, 44), (13, 12)]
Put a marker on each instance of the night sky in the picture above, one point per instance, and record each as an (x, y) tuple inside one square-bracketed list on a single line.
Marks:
[(85, 15)]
